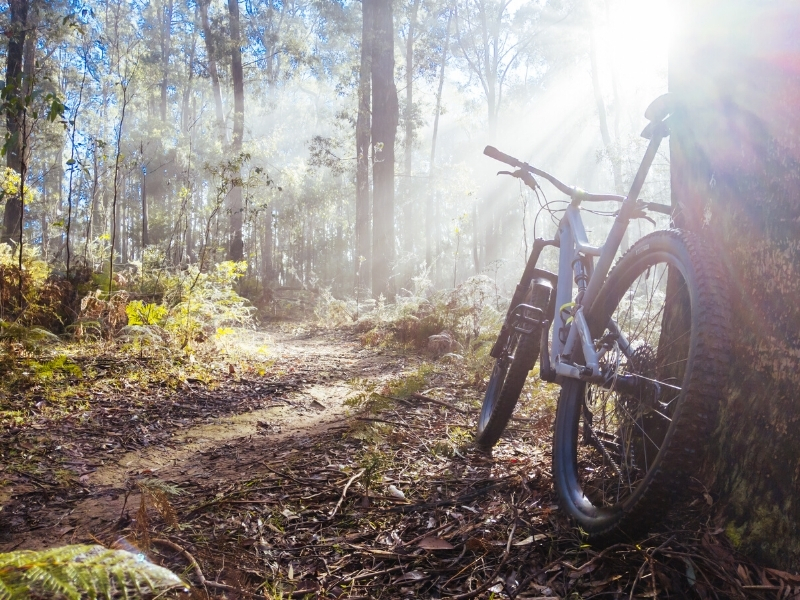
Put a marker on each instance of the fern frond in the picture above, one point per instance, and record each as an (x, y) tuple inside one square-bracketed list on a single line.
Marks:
[(158, 492), (17, 332), (150, 483), (78, 572)]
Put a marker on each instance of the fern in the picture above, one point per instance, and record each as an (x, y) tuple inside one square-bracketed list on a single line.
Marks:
[(29, 335), (81, 572), (158, 492), (140, 313)]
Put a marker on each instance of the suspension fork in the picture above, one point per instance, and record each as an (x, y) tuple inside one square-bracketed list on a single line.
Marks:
[(521, 290)]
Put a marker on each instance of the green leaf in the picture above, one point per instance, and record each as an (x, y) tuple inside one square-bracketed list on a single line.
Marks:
[(82, 571)]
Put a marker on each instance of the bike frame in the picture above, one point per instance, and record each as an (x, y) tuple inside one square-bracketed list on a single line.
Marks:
[(577, 267)]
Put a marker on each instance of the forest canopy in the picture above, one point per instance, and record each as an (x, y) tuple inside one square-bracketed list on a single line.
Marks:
[(171, 133)]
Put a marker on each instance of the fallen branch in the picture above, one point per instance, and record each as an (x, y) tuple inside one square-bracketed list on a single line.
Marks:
[(197, 571), (441, 403), (344, 491), (376, 420)]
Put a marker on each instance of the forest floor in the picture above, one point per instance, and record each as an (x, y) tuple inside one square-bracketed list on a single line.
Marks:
[(313, 466)]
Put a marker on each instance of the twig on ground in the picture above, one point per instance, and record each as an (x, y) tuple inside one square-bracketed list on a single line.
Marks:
[(344, 491), (197, 571), (488, 583), (441, 403)]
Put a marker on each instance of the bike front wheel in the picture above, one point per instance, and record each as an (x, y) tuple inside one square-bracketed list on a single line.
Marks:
[(624, 448), (505, 386), (509, 373)]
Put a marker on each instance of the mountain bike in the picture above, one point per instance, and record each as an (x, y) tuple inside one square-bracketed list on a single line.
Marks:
[(639, 351)]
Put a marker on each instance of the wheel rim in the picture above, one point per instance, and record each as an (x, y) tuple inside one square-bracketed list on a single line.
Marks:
[(625, 423)]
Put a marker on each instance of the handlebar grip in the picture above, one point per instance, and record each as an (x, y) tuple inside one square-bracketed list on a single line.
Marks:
[(494, 153)]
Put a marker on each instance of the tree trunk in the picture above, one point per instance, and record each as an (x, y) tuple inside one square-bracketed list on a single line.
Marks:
[(17, 29), (384, 132), (202, 6), (735, 170), (409, 230), (430, 196), (611, 151), (166, 49), (268, 272), (145, 219), (236, 248), (124, 226), (363, 262), (186, 120)]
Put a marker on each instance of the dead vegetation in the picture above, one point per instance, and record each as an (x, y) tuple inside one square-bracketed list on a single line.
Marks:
[(391, 502), (398, 504)]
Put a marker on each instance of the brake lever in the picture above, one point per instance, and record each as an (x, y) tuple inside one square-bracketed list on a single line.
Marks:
[(525, 176), (640, 214)]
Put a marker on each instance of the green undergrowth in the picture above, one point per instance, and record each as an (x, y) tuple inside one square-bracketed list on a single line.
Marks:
[(149, 326), (464, 323), (468, 314), (82, 572), (53, 382), (372, 397)]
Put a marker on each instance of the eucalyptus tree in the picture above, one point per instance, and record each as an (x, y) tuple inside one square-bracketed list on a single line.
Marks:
[(384, 132), (13, 98), (363, 258)]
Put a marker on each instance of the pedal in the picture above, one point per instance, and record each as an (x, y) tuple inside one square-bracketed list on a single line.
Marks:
[(526, 318)]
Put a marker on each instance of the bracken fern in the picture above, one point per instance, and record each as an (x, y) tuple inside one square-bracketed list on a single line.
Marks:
[(82, 572)]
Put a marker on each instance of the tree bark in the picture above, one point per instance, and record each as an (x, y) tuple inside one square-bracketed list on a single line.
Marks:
[(145, 215), (429, 203), (735, 170), (409, 230), (268, 271), (611, 151), (166, 50), (186, 120), (363, 259), (202, 6), (236, 248), (17, 29), (384, 132)]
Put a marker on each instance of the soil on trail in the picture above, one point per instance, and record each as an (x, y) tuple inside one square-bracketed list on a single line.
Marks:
[(330, 476), (303, 395)]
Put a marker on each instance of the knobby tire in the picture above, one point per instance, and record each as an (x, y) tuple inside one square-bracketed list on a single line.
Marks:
[(623, 456)]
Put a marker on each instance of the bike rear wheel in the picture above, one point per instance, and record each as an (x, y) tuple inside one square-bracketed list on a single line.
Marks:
[(623, 449)]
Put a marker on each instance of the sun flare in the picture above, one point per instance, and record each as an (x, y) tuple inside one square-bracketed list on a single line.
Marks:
[(634, 36)]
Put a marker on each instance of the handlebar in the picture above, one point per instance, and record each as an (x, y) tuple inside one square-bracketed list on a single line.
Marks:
[(573, 193)]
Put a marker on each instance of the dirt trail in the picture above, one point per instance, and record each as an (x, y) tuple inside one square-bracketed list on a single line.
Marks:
[(222, 450)]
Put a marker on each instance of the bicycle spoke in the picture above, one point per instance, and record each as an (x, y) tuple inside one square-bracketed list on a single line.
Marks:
[(655, 341)]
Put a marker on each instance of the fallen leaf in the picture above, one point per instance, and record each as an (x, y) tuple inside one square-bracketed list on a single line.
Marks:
[(396, 492), (434, 543), (741, 570), (410, 576), (475, 543), (783, 575), (525, 542)]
